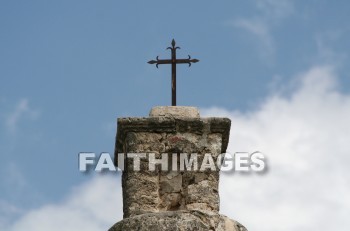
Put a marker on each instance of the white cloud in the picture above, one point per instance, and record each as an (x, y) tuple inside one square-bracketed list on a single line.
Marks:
[(7, 212), (326, 42), (305, 137), (261, 31), (95, 205), (260, 26), (13, 181), (276, 8), (22, 110)]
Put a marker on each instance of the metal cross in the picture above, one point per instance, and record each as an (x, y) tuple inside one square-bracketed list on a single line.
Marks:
[(173, 61)]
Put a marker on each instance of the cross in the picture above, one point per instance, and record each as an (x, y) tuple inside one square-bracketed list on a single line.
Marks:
[(173, 61)]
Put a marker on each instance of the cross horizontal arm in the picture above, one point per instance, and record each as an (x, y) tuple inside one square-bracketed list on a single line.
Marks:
[(187, 60), (160, 61), (169, 61)]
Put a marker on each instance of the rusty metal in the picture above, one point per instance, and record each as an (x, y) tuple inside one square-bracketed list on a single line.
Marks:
[(173, 61)]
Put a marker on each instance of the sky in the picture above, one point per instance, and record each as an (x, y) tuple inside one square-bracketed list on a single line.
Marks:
[(277, 68)]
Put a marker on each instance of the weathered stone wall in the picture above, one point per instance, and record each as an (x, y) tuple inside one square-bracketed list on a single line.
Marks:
[(147, 191), (191, 196)]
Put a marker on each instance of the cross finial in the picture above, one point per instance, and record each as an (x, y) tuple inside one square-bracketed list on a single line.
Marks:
[(173, 61), (173, 42)]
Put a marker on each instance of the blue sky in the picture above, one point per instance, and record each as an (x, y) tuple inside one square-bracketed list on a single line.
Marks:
[(68, 69)]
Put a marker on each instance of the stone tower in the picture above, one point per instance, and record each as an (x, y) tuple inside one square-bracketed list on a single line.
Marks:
[(173, 199)]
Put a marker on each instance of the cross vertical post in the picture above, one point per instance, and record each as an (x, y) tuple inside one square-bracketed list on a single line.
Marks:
[(173, 75), (173, 61)]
